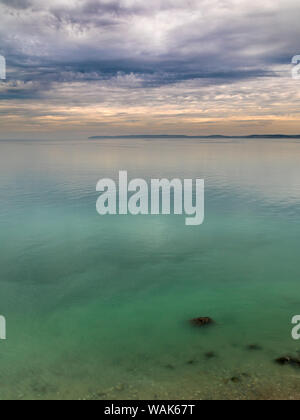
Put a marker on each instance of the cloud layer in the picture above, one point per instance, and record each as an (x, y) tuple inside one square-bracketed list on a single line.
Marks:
[(128, 65)]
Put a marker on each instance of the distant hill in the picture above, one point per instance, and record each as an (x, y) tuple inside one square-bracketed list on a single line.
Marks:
[(164, 136)]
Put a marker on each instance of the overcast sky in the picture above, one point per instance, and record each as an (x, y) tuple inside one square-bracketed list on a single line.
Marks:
[(86, 67)]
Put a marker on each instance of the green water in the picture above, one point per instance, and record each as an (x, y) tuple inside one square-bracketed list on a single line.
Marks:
[(98, 307)]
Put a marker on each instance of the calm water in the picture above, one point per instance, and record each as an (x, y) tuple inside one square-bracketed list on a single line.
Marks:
[(98, 307)]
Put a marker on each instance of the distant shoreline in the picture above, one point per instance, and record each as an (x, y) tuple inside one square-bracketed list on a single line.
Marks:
[(164, 136)]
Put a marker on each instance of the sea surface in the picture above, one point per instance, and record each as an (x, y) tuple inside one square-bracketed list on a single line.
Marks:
[(99, 307)]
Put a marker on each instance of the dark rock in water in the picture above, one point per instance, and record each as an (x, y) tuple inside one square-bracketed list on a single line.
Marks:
[(202, 321), (191, 362), (283, 360), (288, 360), (238, 379), (210, 355), (170, 367), (254, 347)]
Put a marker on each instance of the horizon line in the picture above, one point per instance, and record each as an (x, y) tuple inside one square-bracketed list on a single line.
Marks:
[(183, 136)]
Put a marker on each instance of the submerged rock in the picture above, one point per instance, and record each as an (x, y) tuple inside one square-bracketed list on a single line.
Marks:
[(254, 347), (288, 360), (236, 379), (191, 362), (202, 321), (170, 367), (210, 355)]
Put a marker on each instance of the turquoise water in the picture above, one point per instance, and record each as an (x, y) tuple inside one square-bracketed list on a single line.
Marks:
[(98, 307)]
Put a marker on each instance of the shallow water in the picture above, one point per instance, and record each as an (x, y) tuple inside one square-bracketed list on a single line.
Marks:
[(98, 307)]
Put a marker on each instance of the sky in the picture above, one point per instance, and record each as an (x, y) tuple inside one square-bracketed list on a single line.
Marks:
[(78, 68)]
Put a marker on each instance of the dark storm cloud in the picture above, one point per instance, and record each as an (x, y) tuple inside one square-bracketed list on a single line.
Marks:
[(162, 42), (17, 4)]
